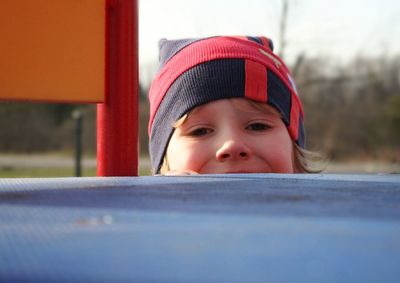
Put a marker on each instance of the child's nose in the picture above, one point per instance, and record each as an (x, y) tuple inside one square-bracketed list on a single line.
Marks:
[(233, 150)]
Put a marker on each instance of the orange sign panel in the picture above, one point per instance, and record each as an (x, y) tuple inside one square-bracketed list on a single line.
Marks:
[(52, 50)]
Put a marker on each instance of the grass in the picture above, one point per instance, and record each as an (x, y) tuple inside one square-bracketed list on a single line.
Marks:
[(43, 172)]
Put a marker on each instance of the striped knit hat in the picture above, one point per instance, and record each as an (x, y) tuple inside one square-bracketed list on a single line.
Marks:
[(197, 71)]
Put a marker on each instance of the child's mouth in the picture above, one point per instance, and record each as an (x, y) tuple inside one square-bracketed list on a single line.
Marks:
[(238, 172)]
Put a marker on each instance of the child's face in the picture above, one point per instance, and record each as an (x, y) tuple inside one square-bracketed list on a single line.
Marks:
[(231, 136)]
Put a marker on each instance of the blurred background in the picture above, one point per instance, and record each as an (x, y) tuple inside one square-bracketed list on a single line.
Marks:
[(344, 55)]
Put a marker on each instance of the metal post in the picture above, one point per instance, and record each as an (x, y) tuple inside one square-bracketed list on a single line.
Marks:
[(77, 115)]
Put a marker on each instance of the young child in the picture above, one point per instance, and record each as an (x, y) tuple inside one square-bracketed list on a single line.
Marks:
[(224, 104)]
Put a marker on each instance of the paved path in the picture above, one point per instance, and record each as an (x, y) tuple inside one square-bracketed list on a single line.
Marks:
[(41, 160)]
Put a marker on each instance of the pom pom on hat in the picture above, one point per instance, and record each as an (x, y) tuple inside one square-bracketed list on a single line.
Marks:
[(197, 71)]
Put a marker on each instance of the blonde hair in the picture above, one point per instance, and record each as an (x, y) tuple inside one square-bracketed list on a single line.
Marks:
[(305, 161)]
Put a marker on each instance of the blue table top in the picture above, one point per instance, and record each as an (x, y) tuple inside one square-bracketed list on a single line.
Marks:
[(209, 228)]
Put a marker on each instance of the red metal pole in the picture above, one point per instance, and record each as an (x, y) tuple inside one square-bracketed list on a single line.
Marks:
[(117, 117)]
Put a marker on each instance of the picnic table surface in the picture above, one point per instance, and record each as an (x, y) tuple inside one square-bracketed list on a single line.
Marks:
[(206, 228)]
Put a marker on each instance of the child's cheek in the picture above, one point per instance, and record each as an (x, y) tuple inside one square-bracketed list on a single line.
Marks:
[(193, 156)]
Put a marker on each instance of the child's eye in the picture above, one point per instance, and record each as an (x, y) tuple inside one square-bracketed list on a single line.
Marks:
[(258, 127), (199, 132)]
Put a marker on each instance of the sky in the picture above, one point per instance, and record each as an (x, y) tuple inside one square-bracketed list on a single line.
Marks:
[(339, 29)]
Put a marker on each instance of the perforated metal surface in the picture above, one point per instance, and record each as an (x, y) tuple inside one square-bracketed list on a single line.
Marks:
[(239, 228)]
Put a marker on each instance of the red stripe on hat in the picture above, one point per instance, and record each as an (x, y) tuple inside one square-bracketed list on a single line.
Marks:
[(206, 50), (256, 81)]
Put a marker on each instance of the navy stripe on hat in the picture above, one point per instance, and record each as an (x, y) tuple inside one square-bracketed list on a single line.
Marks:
[(171, 47), (279, 96), (255, 39)]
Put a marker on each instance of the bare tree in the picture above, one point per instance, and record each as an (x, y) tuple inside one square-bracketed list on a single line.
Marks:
[(282, 28)]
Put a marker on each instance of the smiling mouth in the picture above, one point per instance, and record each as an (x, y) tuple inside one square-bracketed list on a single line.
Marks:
[(238, 172)]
